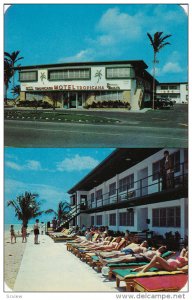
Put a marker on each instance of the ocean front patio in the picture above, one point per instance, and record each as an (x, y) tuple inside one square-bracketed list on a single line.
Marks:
[(49, 267)]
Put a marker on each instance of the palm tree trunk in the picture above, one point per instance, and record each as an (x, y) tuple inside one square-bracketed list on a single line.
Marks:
[(154, 65)]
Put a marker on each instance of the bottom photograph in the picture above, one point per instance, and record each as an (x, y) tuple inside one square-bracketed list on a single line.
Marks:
[(95, 220)]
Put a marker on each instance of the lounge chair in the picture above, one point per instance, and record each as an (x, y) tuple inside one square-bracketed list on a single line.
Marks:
[(170, 283), (78, 250), (129, 276), (123, 265)]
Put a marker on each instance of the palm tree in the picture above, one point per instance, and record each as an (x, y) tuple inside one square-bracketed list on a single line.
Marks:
[(16, 90), (62, 209), (13, 59), (157, 42), (26, 207), (98, 74), (7, 76)]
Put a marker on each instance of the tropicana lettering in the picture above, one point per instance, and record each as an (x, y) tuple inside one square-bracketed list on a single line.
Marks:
[(69, 87)]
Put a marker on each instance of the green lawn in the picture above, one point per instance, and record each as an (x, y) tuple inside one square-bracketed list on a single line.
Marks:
[(55, 116)]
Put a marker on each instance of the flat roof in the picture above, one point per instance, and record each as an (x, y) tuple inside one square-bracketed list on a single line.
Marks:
[(118, 161), (162, 83), (135, 63)]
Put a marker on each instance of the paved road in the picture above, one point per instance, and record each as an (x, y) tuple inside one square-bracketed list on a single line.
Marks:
[(37, 134)]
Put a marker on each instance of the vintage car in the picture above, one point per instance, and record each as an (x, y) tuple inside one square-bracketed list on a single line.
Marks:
[(163, 103)]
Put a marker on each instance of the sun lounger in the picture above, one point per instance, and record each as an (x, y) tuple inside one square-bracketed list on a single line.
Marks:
[(170, 283), (94, 262), (82, 253), (129, 276)]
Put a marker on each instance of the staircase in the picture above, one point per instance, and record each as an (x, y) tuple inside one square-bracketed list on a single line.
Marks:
[(72, 214), (137, 99)]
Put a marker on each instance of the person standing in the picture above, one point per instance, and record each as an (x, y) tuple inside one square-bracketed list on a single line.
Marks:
[(167, 171), (24, 233), (36, 231), (12, 232)]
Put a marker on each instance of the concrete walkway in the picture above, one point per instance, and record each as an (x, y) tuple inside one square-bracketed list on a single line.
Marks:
[(50, 267)]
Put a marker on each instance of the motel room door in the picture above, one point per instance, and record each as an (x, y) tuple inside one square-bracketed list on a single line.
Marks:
[(142, 184)]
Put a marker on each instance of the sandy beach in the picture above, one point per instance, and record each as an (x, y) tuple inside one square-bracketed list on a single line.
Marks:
[(13, 254)]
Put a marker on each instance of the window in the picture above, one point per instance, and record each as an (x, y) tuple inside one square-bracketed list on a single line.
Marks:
[(112, 219), (173, 87), (126, 183), (99, 194), (67, 74), (109, 96), (112, 189), (167, 217), (99, 219), (164, 87), (28, 76), (118, 72), (126, 219), (92, 197), (92, 220), (156, 167), (33, 96)]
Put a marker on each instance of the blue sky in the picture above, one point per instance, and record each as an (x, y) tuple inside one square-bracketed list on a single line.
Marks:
[(50, 172), (49, 33)]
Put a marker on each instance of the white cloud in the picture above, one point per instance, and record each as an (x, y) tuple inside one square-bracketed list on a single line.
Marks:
[(50, 194), (119, 25), (77, 163), (83, 55), (29, 165), (33, 165), (13, 165), (172, 67)]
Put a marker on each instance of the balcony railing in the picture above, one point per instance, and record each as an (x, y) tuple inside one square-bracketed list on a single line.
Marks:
[(143, 187)]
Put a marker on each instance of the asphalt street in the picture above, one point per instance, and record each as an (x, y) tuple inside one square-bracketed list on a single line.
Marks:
[(150, 129)]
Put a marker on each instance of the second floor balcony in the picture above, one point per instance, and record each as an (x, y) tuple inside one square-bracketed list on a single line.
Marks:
[(142, 192)]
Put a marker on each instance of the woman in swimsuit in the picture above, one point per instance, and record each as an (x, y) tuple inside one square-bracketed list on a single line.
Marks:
[(167, 265)]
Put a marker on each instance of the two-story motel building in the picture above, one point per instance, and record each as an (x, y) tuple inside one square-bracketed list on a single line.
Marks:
[(125, 192), (79, 85), (176, 91)]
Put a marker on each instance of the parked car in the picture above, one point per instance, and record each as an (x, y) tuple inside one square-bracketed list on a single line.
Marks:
[(161, 103)]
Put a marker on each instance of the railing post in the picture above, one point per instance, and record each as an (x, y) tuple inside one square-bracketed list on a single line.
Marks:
[(127, 193), (183, 174), (102, 200), (117, 193), (140, 187), (159, 181)]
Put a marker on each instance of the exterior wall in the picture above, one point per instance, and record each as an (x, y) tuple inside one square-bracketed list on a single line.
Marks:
[(94, 84), (184, 93), (140, 217), (22, 96), (127, 96), (89, 86)]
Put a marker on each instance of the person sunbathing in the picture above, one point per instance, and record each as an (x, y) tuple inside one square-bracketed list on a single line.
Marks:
[(168, 265), (130, 249), (141, 257), (91, 245)]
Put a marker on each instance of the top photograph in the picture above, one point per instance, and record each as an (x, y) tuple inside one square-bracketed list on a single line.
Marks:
[(96, 75)]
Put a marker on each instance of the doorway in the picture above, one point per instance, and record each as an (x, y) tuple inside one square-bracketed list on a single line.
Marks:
[(75, 99), (142, 184)]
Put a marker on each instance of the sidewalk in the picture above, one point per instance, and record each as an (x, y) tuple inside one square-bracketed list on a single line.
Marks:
[(50, 267)]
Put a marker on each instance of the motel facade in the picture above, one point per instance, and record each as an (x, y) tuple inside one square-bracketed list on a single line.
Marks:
[(125, 192), (88, 84)]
